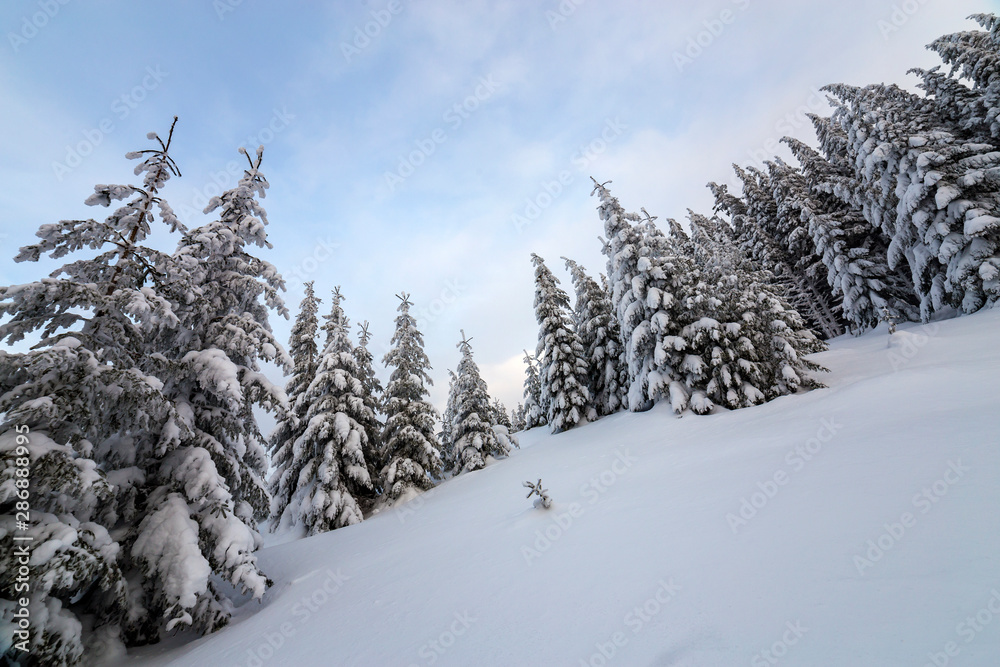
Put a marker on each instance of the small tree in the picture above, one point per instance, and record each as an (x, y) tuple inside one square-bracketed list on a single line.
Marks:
[(534, 412)]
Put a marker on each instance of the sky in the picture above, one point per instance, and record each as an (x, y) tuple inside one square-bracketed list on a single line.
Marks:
[(428, 146)]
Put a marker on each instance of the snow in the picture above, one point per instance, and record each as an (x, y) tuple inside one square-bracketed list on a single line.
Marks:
[(854, 525)]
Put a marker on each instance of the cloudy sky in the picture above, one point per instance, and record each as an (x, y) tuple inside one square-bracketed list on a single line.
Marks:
[(428, 146)]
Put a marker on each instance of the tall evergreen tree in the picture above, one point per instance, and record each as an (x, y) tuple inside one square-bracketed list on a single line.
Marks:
[(290, 427), (211, 490), (564, 369), (330, 452), (777, 238), (926, 186), (447, 435), (974, 56), (744, 343), (597, 327), (411, 446), (475, 439), (853, 252), (148, 499), (373, 396), (81, 387)]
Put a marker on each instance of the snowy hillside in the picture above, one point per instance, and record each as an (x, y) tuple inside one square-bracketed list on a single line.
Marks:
[(854, 525)]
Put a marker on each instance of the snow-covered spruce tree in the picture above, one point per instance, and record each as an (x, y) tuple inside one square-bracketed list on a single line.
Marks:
[(974, 56), (411, 447), (853, 251), (622, 248), (203, 497), (447, 434), (743, 343), (502, 426), (334, 473), (517, 420), (649, 279), (90, 403), (291, 425), (778, 240), (475, 439), (931, 190), (597, 327), (563, 371), (373, 397), (49, 398), (500, 415), (534, 412)]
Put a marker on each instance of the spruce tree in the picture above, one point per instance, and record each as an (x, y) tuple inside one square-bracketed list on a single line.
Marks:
[(330, 452), (517, 420), (622, 248), (745, 344), (411, 446), (974, 56), (290, 427), (564, 369), (534, 410), (500, 415), (447, 434), (208, 493), (597, 327), (777, 239), (926, 186), (373, 397), (475, 439), (853, 251), (152, 493)]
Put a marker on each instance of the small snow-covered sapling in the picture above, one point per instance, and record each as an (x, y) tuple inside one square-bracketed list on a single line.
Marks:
[(890, 319), (543, 499)]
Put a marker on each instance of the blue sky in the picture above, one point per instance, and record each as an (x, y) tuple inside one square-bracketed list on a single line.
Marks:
[(428, 146)]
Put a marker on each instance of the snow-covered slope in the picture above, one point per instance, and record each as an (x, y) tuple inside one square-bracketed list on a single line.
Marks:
[(854, 525)]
